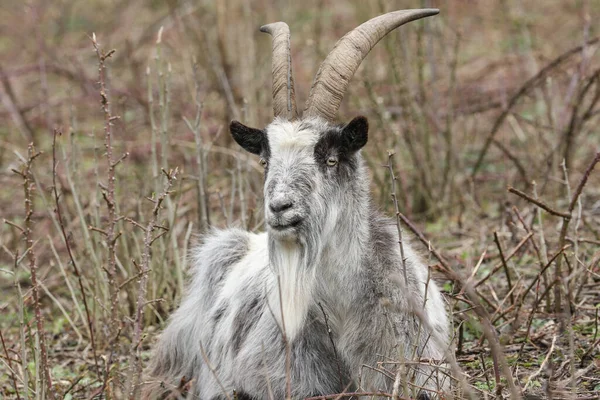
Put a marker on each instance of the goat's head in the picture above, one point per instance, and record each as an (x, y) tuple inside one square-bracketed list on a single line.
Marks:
[(311, 163)]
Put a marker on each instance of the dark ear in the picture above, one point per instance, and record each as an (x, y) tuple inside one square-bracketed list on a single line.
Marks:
[(250, 139), (355, 134)]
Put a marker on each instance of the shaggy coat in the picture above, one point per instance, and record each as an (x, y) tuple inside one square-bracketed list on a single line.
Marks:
[(315, 302)]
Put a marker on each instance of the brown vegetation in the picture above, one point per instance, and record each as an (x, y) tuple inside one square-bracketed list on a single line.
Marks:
[(490, 110)]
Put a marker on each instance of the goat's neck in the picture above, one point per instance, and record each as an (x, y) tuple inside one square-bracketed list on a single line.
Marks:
[(345, 245)]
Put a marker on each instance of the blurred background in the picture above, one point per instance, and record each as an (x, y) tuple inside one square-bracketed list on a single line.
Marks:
[(487, 94)]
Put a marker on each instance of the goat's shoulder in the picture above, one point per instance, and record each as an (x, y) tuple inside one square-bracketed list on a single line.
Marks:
[(217, 251), (386, 259), (385, 242), (389, 272)]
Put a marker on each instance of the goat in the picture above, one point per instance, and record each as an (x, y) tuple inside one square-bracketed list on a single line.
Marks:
[(300, 309)]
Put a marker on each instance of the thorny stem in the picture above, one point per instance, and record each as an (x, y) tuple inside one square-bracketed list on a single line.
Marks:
[(109, 197), (28, 186), (134, 356), (397, 210), (204, 215), (565, 227), (68, 246), (153, 139)]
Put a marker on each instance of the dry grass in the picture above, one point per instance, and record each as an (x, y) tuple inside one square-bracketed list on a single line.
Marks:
[(484, 96)]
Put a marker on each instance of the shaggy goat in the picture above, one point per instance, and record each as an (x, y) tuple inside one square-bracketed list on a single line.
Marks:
[(300, 309)]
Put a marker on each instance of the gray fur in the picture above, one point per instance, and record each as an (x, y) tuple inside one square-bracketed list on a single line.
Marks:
[(339, 260)]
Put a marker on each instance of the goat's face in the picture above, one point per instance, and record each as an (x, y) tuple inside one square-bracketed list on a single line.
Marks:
[(310, 166)]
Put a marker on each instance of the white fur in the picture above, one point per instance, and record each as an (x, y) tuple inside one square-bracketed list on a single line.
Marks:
[(285, 136), (296, 287), (249, 266)]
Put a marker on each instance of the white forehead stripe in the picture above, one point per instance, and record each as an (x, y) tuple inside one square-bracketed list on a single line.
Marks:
[(289, 136)]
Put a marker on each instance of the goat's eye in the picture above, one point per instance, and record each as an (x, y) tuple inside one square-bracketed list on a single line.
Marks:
[(332, 162), (263, 162)]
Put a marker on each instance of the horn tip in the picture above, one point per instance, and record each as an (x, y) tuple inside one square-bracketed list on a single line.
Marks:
[(427, 12), (416, 13), (270, 28)]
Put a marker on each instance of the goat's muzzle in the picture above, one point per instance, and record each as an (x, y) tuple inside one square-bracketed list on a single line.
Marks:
[(283, 216)]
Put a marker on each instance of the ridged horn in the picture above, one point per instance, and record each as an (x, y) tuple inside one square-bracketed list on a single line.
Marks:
[(335, 72), (284, 97)]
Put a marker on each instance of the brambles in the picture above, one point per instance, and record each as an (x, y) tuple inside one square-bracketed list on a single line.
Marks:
[(521, 78)]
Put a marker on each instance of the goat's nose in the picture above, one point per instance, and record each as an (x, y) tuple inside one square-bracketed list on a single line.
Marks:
[(280, 205)]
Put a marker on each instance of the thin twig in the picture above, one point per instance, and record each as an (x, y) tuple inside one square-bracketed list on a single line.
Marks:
[(537, 278), (109, 197), (69, 250), (512, 253), (575, 124), (355, 394), (506, 272), (583, 181), (536, 373), (28, 186), (22, 342), (390, 167), (10, 367), (135, 367), (539, 203), (335, 353), (565, 227)]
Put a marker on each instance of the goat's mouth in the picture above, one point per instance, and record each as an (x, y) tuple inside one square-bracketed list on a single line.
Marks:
[(280, 226)]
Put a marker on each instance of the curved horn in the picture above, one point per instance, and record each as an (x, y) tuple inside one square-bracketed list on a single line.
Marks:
[(284, 97), (335, 72)]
